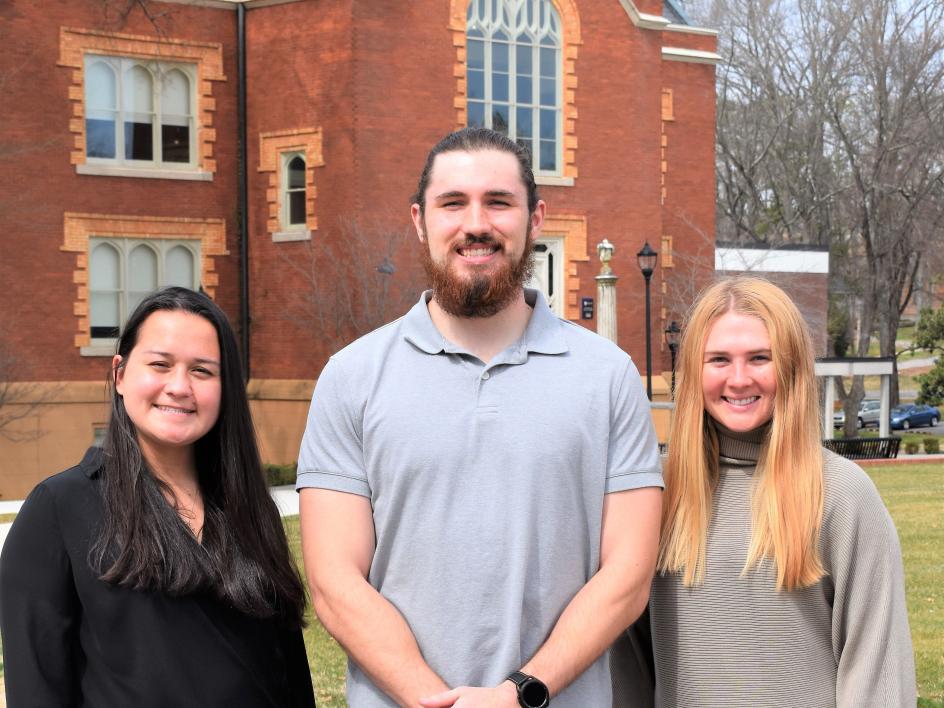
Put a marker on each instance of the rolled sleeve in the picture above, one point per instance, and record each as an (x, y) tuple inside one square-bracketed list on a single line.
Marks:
[(331, 454), (633, 454)]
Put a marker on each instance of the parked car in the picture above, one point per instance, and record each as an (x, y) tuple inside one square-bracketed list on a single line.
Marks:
[(870, 412), (911, 415)]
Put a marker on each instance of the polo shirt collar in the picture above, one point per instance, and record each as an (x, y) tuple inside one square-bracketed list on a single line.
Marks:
[(542, 335)]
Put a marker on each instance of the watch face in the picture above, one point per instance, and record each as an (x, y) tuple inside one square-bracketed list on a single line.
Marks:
[(534, 693)]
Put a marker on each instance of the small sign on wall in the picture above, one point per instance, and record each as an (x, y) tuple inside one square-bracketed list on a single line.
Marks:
[(586, 308)]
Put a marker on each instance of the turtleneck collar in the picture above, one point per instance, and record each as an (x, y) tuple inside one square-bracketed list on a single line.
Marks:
[(740, 448)]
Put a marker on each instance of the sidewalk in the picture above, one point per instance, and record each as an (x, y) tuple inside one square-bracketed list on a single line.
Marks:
[(904, 459)]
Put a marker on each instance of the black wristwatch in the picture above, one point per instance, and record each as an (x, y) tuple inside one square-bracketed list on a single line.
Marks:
[(532, 693)]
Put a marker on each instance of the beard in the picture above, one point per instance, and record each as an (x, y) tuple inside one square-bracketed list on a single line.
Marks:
[(484, 291)]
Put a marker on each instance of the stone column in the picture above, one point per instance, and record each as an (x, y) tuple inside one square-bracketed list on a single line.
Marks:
[(606, 293), (829, 403)]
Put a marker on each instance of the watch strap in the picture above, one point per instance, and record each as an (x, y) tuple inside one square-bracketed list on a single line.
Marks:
[(518, 678), (523, 681)]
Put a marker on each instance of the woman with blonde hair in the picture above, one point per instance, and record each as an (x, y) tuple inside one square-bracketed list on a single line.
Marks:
[(780, 578)]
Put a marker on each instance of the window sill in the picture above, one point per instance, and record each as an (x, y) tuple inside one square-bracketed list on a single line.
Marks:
[(100, 347), (296, 235), (146, 172), (554, 181)]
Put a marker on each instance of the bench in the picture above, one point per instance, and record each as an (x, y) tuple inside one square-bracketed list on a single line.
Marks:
[(864, 448)]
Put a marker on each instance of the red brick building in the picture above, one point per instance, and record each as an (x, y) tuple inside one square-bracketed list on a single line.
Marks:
[(120, 172)]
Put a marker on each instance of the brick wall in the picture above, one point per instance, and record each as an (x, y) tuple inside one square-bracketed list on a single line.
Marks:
[(383, 98), (300, 75), (39, 184), (688, 208), (366, 101)]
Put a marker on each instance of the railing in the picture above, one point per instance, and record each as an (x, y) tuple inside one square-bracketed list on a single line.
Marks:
[(864, 448)]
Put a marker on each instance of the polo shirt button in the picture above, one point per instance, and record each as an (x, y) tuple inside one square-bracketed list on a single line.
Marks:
[(485, 376)]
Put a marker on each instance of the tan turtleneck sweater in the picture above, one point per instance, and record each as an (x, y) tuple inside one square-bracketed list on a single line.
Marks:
[(737, 641)]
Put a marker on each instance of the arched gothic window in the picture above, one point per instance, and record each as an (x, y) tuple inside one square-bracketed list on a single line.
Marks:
[(139, 114), (123, 271), (513, 74), (295, 214), (176, 117)]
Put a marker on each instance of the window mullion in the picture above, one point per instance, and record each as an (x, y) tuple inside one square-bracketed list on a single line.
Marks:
[(124, 284), (559, 108), (192, 117), (156, 116), (162, 254), (120, 109), (488, 77), (513, 83), (536, 102)]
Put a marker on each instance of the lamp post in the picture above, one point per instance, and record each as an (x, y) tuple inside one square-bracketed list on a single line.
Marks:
[(646, 259), (672, 333)]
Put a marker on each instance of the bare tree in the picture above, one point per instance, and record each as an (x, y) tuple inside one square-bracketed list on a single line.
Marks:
[(115, 14), (693, 268), (19, 400), (830, 132), (352, 283)]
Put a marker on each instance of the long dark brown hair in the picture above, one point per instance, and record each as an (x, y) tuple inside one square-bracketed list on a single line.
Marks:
[(244, 558)]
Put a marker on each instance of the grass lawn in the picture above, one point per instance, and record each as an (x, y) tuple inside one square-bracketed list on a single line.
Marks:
[(906, 382), (327, 660), (914, 495)]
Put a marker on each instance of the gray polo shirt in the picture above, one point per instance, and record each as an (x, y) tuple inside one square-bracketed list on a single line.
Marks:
[(486, 482)]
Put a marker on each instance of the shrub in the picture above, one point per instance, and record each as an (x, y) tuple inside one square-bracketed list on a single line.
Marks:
[(932, 446), (911, 447), (277, 475)]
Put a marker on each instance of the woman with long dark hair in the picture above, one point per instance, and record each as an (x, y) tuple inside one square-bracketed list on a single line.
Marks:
[(156, 572)]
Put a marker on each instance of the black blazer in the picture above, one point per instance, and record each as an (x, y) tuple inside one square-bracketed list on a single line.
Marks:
[(70, 639)]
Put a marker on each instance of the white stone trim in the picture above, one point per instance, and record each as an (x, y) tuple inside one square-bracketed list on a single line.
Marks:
[(554, 181), (643, 19), (853, 368), (294, 235), (99, 347), (146, 173), (691, 29), (761, 260), (690, 56)]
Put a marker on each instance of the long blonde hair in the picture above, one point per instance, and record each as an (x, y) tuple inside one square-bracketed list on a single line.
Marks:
[(787, 506)]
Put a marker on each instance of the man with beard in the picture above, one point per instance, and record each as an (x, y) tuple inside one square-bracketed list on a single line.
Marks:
[(479, 479)]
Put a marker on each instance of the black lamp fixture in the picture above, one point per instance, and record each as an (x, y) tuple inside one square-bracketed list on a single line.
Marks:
[(672, 334), (646, 259)]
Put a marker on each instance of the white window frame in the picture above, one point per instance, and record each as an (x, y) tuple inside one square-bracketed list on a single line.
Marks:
[(479, 17), (99, 431), (155, 167), (285, 217), (105, 346), (553, 245)]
